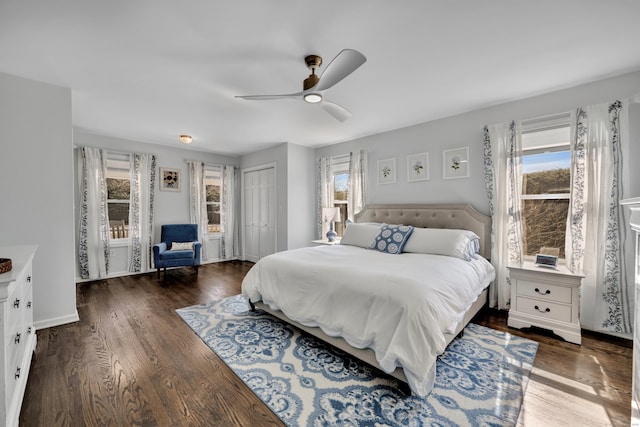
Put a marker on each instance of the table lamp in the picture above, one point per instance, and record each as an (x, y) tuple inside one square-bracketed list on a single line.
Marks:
[(331, 215)]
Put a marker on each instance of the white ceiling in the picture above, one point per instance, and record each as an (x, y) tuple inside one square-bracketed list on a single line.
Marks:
[(151, 70)]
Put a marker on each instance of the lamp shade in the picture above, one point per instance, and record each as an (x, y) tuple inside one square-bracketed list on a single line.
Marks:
[(328, 214), (337, 216)]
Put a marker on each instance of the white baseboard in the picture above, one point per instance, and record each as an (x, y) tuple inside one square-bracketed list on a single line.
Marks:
[(57, 321)]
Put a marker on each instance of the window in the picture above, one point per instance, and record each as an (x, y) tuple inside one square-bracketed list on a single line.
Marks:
[(212, 182), (118, 192), (546, 184), (340, 180)]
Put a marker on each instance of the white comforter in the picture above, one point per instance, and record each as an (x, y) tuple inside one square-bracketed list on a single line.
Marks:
[(398, 305)]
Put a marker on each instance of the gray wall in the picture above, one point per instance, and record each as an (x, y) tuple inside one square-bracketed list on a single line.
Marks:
[(295, 192), (169, 207), (301, 196), (36, 144), (465, 130), (275, 155)]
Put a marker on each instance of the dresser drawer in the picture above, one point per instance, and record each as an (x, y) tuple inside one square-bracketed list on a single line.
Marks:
[(544, 291), (544, 309)]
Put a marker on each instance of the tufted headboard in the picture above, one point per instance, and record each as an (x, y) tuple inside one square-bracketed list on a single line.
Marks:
[(458, 216)]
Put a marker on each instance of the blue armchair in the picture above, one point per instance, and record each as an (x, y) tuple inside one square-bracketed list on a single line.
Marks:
[(168, 254)]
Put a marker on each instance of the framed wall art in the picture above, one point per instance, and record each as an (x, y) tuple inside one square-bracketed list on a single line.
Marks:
[(418, 167), (387, 171), (455, 163), (170, 179)]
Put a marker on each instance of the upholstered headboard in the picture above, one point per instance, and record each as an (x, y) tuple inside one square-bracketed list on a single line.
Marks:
[(458, 216)]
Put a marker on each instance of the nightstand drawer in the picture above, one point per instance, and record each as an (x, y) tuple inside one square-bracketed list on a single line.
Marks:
[(544, 291), (544, 309)]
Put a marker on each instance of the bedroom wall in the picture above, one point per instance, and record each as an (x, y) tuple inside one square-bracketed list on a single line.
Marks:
[(274, 155), (36, 144), (295, 191), (465, 130), (169, 207), (301, 201)]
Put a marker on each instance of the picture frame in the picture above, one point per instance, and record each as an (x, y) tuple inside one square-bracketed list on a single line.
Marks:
[(170, 179), (455, 163), (387, 171), (418, 167)]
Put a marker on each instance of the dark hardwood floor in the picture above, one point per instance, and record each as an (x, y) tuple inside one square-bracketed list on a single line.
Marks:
[(132, 361)]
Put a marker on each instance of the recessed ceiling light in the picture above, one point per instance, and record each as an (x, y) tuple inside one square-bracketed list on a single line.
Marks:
[(186, 139)]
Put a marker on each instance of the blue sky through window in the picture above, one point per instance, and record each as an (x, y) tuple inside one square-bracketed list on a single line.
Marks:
[(546, 161), (341, 182)]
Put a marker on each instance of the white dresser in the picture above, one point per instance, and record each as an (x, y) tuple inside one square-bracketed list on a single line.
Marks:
[(634, 205), (18, 333), (546, 297)]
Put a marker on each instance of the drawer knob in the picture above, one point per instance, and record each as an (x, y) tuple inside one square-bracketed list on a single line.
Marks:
[(29, 279), (17, 373), (29, 304), (546, 310), (29, 330), (17, 339), (16, 303), (547, 292)]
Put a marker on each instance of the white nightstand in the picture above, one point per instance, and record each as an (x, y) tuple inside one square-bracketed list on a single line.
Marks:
[(546, 297), (325, 242)]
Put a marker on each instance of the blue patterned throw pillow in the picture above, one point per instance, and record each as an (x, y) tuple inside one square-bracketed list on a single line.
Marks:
[(391, 238)]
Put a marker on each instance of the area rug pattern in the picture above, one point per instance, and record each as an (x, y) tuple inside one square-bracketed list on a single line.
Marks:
[(480, 379)]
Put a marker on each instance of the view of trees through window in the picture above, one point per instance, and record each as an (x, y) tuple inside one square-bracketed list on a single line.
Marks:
[(213, 201), (118, 191), (545, 197), (340, 187)]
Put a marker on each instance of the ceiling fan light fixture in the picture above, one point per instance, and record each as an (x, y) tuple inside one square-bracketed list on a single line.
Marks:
[(186, 139), (313, 98)]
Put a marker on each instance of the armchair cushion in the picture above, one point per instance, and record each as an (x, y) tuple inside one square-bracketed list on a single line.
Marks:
[(175, 254), (181, 246)]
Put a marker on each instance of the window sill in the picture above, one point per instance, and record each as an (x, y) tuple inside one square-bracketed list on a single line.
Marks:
[(118, 243)]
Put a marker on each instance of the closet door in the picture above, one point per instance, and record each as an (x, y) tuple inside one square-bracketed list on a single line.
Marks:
[(259, 213), (251, 219), (267, 212)]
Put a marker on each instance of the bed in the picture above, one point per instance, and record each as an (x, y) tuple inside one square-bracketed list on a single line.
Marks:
[(397, 312)]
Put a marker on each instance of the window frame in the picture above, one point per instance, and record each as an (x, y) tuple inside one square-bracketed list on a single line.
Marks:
[(539, 125), (210, 171), (117, 165), (340, 166)]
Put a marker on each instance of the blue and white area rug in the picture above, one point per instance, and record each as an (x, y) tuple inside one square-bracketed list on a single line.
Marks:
[(480, 379)]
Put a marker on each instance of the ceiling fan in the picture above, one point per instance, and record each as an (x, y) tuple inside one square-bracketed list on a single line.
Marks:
[(313, 88)]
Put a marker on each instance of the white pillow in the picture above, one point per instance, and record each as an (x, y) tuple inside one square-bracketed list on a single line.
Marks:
[(360, 234), (463, 244), (181, 246)]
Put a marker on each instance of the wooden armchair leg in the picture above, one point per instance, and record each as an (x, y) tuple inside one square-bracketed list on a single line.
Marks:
[(196, 267)]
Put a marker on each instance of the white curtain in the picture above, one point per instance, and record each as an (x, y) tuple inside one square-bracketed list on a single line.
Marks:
[(93, 250), (356, 193), (143, 176), (228, 213), (198, 201), (503, 181), (324, 191), (596, 229)]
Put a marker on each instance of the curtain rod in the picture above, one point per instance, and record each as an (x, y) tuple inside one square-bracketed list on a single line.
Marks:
[(112, 151)]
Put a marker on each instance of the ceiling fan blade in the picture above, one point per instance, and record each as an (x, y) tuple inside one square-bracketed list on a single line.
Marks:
[(345, 63), (339, 113), (269, 97)]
